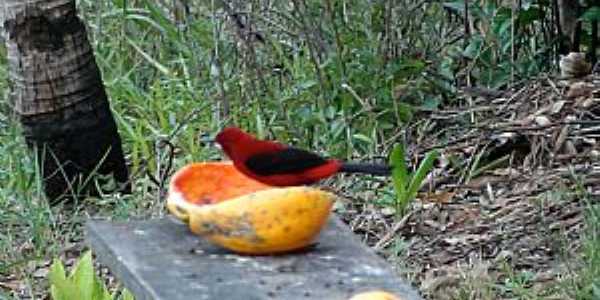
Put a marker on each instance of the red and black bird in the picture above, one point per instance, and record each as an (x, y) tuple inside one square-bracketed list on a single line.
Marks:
[(278, 164)]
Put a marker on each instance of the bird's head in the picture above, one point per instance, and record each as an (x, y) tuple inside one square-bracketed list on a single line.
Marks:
[(230, 136)]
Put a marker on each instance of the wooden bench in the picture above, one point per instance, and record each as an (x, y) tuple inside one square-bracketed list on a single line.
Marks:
[(161, 259)]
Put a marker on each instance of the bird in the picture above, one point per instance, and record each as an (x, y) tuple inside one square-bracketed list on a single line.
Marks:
[(278, 164)]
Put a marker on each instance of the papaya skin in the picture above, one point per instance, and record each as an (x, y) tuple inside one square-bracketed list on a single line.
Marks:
[(375, 295), (255, 219)]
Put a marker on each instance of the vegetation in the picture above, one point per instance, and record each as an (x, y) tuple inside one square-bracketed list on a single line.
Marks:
[(407, 184), (81, 283), (349, 78)]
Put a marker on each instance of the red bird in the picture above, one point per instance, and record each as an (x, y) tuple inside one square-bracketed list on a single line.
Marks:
[(277, 164)]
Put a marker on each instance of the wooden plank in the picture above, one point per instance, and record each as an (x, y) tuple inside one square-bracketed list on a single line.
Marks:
[(161, 259)]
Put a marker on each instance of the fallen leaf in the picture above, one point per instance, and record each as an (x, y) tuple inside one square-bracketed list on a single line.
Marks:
[(438, 197), (579, 89), (542, 120), (557, 107)]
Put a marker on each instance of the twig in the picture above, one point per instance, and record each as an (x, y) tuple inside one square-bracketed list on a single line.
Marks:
[(388, 237)]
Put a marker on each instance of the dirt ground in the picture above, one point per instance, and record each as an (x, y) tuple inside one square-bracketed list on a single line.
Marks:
[(507, 201)]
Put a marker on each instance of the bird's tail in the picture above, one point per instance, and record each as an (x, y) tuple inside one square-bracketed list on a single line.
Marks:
[(366, 168)]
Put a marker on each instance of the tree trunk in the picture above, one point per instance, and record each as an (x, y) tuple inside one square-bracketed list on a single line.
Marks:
[(58, 96), (568, 12)]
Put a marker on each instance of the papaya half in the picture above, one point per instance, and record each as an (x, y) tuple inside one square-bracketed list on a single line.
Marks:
[(243, 215), (375, 295)]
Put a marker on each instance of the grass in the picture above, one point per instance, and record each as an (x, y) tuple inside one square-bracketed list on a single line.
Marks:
[(585, 283), (336, 92)]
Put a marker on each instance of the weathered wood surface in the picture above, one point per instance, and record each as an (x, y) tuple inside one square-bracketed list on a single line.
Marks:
[(161, 259)]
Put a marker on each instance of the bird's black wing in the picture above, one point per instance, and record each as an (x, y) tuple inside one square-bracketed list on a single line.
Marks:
[(289, 160)]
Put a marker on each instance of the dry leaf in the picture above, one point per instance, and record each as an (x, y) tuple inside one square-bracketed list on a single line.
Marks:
[(482, 181), (557, 107), (587, 102), (438, 197), (570, 148), (510, 172), (580, 89), (542, 121), (562, 137)]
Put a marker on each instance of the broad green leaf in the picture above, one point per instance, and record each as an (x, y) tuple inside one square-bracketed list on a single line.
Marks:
[(57, 272), (64, 290), (83, 275), (424, 168), (400, 174)]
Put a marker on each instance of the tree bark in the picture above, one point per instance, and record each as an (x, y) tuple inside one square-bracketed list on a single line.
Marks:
[(58, 96), (568, 12)]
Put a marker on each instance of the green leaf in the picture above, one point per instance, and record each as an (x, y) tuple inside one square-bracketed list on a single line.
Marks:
[(64, 290), (100, 292), (363, 138), (127, 295), (57, 273), (474, 48), (400, 176), (424, 168), (82, 283), (83, 276), (405, 112), (595, 291), (592, 14), (407, 68), (60, 287)]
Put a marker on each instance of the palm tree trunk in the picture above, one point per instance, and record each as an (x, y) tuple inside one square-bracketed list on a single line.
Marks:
[(58, 96), (570, 25)]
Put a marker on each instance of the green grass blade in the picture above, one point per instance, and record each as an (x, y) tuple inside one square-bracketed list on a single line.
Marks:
[(160, 67)]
